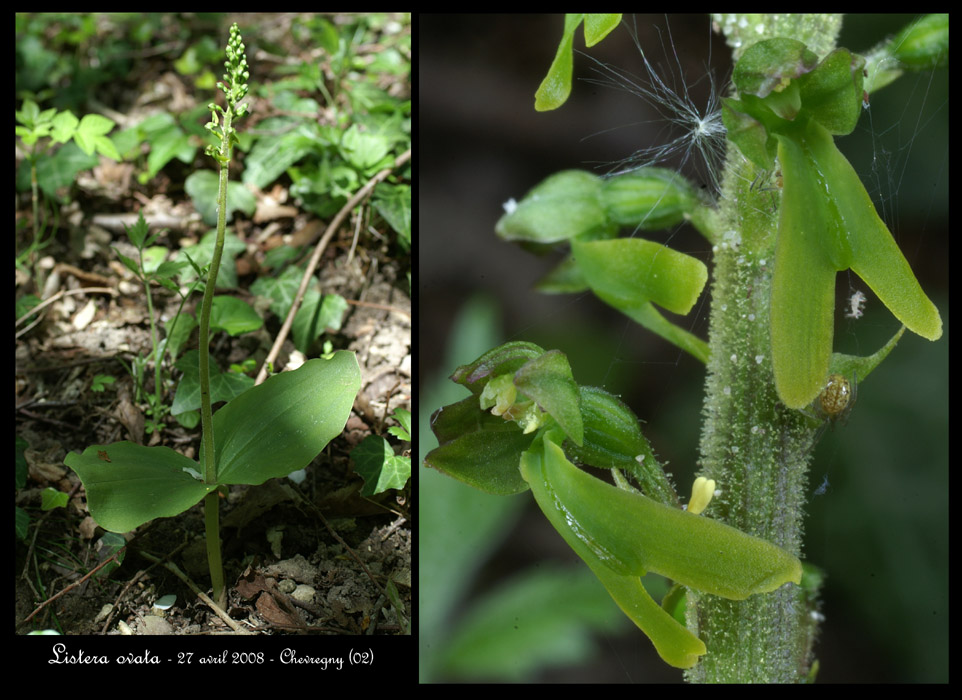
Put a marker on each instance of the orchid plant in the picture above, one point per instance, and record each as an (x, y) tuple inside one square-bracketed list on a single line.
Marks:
[(269, 431)]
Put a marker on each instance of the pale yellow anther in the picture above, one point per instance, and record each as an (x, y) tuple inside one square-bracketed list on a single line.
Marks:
[(701, 492)]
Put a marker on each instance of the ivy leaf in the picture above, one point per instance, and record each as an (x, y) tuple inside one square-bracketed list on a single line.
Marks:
[(202, 187), (376, 463), (233, 315), (364, 150), (402, 432), (315, 315)]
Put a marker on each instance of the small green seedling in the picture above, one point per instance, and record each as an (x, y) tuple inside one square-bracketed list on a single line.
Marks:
[(266, 432), (101, 381), (161, 273), (39, 131)]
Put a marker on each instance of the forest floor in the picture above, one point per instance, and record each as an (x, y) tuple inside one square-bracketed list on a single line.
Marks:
[(313, 556)]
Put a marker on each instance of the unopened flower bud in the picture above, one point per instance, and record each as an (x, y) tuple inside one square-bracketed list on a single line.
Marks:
[(649, 198)]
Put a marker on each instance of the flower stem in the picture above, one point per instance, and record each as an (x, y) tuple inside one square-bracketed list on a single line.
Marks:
[(212, 501), (234, 90), (212, 527)]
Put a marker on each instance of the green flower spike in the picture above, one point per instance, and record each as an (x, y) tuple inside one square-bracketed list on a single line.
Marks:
[(234, 87), (790, 105)]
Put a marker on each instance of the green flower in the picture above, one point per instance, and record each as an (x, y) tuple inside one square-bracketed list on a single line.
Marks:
[(790, 105)]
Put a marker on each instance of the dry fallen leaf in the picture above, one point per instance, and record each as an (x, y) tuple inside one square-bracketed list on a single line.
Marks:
[(131, 418)]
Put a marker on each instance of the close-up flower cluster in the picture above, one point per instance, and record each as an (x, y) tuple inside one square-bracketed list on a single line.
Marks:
[(235, 88)]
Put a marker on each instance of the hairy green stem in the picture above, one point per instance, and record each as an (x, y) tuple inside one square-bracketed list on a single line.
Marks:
[(757, 450), (211, 501), (205, 411), (153, 336)]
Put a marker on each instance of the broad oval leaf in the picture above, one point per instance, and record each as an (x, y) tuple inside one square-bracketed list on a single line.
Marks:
[(280, 426), (128, 484)]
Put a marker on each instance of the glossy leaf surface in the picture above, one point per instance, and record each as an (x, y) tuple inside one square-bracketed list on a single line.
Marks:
[(673, 642), (138, 484), (622, 535), (281, 425), (632, 534)]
